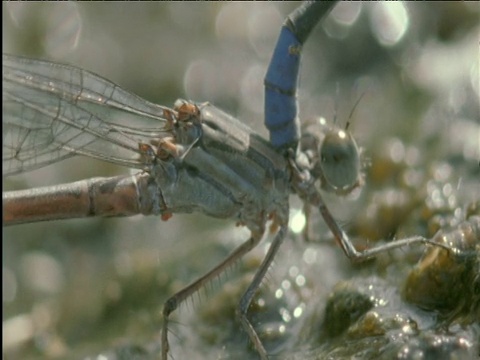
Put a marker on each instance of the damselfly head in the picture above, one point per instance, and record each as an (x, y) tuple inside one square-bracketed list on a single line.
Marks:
[(339, 161), (334, 157)]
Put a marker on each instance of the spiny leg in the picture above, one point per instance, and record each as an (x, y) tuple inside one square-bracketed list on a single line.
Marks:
[(346, 244), (174, 301), (252, 289)]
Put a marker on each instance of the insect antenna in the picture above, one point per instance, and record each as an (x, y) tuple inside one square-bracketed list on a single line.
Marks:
[(353, 109), (337, 95)]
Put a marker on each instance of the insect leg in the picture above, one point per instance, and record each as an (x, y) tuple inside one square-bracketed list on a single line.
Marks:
[(346, 244), (174, 301), (252, 289)]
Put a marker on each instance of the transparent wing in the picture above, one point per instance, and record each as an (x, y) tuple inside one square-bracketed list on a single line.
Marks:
[(52, 111)]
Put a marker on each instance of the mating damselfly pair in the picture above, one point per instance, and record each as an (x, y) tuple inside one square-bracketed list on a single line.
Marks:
[(188, 151)]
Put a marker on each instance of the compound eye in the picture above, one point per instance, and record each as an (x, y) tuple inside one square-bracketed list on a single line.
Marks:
[(340, 162)]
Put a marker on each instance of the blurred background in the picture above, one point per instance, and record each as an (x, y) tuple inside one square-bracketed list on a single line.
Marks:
[(82, 289)]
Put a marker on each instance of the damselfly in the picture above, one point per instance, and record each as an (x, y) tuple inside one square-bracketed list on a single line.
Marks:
[(152, 150)]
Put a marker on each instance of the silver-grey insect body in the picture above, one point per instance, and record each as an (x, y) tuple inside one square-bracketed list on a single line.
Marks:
[(228, 172)]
